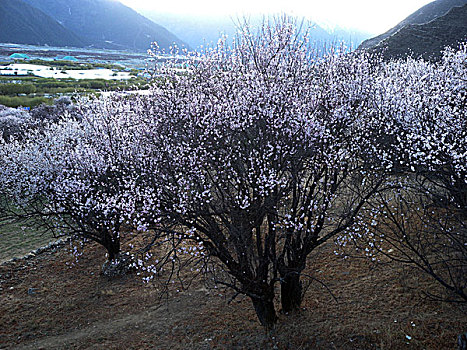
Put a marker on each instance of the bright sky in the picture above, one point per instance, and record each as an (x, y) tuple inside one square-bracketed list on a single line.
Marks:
[(373, 16)]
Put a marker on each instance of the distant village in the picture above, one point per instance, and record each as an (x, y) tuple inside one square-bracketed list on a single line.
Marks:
[(31, 75), (23, 64), (50, 71)]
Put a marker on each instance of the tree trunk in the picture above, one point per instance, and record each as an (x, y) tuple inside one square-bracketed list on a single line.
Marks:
[(113, 247), (265, 311), (462, 341), (113, 251), (291, 292)]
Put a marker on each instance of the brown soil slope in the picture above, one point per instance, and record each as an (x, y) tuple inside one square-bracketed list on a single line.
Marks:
[(45, 304)]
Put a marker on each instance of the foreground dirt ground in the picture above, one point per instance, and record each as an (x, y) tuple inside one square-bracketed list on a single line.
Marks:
[(46, 304)]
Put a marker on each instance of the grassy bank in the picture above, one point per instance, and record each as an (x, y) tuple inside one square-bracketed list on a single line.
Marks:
[(16, 240), (45, 304)]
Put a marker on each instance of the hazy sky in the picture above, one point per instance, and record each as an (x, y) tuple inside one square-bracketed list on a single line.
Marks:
[(373, 16)]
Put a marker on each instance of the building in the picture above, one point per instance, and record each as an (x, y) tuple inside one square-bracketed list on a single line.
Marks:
[(70, 58), (19, 56), (66, 58)]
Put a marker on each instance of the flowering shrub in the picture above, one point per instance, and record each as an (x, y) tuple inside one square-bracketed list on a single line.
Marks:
[(422, 219), (258, 154), (63, 108), (13, 122), (73, 176)]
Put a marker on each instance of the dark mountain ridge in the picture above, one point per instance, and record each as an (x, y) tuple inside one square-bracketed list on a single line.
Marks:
[(93, 23), (107, 23), (429, 39), (423, 15), (21, 23)]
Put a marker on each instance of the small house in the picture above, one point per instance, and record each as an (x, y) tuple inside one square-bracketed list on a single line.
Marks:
[(19, 56), (70, 58), (65, 58)]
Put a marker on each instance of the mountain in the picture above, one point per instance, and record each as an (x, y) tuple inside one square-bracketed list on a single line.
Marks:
[(198, 31), (425, 32), (107, 24), (352, 38), (428, 40), (20, 23)]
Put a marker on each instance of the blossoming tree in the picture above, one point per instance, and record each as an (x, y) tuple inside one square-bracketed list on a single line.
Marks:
[(74, 177), (258, 153), (422, 220)]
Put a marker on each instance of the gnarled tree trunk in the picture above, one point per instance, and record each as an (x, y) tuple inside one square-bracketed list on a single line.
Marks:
[(265, 311), (112, 244), (116, 264), (291, 292)]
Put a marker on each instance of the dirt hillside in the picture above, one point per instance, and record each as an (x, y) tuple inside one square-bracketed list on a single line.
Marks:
[(46, 303)]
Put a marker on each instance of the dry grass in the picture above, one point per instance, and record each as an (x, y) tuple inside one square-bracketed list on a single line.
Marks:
[(47, 305)]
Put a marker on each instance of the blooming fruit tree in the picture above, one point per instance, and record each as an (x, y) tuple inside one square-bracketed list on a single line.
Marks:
[(74, 177), (422, 109), (254, 156), (258, 153)]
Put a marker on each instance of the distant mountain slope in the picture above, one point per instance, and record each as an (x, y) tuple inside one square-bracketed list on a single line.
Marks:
[(195, 30), (20, 23), (201, 30), (107, 23), (429, 39), (423, 15)]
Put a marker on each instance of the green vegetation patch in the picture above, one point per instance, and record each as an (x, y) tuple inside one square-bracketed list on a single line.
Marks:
[(17, 240), (30, 91), (24, 101), (16, 89), (71, 65)]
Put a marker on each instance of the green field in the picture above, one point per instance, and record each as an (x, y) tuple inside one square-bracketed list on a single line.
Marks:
[(30, 91), (17, 240)]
